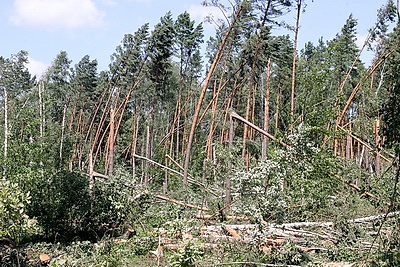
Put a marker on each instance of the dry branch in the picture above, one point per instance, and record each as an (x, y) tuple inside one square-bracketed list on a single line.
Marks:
[(357, 88), (376, 217), (220, 210), (238, 117), (298, 225), (228, 217), (367, 146), (232, 232)]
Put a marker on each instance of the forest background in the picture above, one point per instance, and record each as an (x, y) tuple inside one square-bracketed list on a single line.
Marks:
[(255, 129)]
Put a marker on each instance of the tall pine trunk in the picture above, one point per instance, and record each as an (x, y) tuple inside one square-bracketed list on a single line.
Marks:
[(292, 104), (203, 94), (266, 110)]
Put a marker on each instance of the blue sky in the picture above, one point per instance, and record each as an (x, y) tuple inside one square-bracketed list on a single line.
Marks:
[(95, 27)]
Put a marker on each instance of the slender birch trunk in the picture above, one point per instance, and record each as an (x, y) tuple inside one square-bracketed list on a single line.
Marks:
[(62, 136), (42, 121), (6, 133)]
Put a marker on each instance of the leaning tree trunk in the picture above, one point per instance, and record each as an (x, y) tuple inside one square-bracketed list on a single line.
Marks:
[(203, 94), (111, 143), (292, 107)]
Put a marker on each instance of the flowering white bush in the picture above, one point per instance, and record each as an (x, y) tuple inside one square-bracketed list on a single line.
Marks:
[(292, 176)]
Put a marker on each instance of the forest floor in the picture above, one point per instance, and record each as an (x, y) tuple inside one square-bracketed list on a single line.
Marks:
[(209, 243)]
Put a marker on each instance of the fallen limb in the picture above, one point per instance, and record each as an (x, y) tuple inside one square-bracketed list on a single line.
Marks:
[(298, 225), (232, 232), (228, 217), (375, 150), (376, 217), (220, 210), (258, 129), (244, 263)]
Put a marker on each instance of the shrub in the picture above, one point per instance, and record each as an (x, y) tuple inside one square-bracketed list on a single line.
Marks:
[(67, 210), (14, 221)]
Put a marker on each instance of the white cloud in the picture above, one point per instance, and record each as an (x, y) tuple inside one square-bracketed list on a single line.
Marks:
[(200, 12), (56, 13), (141, 1), (109, 2), (36, 67)]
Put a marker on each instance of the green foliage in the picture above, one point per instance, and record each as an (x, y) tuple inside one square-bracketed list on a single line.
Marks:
[(186, 256), (390, 254), (66, 209), (14, 220), (289, 253), (14, 76), (390, 110), (106, 252), (296, 176)]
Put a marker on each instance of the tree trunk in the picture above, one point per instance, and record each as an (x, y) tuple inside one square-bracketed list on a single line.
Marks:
[(203, 93), (134, 142), (62, 136), (292, 107), (42, 121), (91, 170), (6, 133), (266, 110), (245, 129), (111, 143), (278, 101), (148, 155)]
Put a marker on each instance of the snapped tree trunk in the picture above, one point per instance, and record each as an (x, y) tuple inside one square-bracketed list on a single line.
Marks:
[(266, 111), (203, 94), (111, 140), (292, 107)]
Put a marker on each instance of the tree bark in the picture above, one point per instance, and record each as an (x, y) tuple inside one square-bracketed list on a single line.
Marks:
[(266, 110), (236, 116), (6, 133), (292, 107), (203, 93), (62, 136), (111, 143)]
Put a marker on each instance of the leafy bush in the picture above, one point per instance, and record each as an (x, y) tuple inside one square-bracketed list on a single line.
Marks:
[(66, 209), (14, 221), (290, 254), (187, 255), (297, 176)]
